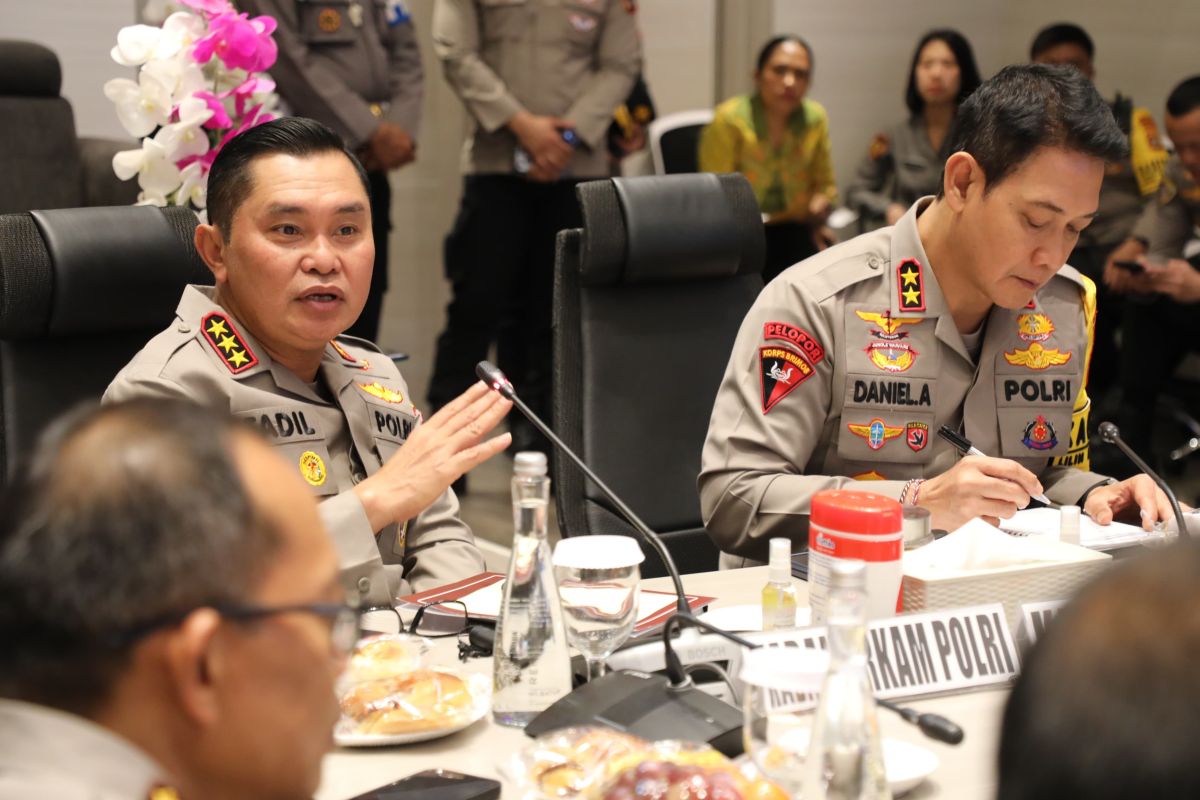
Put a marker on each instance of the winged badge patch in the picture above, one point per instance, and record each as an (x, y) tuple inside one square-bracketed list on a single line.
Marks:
[(1037, 357)]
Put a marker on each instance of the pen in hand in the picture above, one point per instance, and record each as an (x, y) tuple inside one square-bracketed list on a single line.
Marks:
[(964, 446)]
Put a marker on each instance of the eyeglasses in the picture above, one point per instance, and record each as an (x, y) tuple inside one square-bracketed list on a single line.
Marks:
[(345, 621), (442, 619)]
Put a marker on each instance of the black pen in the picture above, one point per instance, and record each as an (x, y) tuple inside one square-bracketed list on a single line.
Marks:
[(964, 446)]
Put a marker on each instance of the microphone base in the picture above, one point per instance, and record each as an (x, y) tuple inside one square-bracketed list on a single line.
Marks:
[(646, 705)]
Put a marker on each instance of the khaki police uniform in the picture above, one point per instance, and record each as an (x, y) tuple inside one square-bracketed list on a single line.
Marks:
[(900, 166), (336, 432), (574, 59), (1157, 331), (47, 753), (847, 365)]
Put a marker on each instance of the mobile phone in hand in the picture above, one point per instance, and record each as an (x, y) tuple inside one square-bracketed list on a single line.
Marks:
[(436, 784), (1134, 267)]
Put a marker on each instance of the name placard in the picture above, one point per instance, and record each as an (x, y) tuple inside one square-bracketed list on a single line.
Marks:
[(1035, 617), (936, 651)]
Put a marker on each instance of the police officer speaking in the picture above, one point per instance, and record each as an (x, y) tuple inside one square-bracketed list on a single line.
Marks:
[(967, 303)]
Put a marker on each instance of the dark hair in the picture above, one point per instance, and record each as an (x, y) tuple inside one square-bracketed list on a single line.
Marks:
[(126, 513), (229, 178), (773, 44), (1027, 106), (1184, 98), (968, 72), (1107, 705), (1062, 33)]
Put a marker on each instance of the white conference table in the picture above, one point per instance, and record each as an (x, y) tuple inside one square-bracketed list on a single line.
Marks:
[(965, 772)]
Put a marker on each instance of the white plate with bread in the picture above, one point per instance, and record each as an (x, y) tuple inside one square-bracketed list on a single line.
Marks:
[(414, 707)]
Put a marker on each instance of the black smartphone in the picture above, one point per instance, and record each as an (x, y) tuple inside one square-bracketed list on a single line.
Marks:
[(1130, 266), (436, 784)]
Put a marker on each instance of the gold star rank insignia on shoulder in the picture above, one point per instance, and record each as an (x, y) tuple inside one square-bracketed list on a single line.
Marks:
[(910, 285), (227, 343)]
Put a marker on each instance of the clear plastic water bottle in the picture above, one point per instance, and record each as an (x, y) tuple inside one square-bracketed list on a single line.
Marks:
[(532, 667), (845, 758)]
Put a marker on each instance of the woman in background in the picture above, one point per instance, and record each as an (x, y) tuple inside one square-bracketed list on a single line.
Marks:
[(905, 163), (780, 141)]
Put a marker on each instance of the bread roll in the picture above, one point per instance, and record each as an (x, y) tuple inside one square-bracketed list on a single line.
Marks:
[(420, 701)]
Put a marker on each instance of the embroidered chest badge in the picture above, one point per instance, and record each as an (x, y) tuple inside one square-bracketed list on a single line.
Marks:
[(312, 467), (781, 370), (227, 343), (889, 351), (1037, 357), (910, 285), (1034, 327), (876, 432), (381, 392), (1039, 435)]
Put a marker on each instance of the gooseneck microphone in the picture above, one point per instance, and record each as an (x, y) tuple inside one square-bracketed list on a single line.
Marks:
[(490, 374), (1111, 434), (648, 705)]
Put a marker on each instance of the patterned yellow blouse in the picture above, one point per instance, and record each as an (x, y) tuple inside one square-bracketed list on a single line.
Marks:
[(784, 178)]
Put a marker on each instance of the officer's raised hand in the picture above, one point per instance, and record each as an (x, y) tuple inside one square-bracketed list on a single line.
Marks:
[(1136, 494), (440, 450), (977, 486)]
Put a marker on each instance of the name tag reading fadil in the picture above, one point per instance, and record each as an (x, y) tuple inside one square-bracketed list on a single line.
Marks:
[(927, 653)]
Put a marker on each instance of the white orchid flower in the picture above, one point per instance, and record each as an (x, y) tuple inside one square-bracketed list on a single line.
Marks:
[(148, 199), (141, 106), (195, 186), (157, 174), (182, 76), (186, 138), (137, 44)]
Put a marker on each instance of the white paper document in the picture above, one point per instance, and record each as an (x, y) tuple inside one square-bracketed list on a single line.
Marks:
[(1044, 522)]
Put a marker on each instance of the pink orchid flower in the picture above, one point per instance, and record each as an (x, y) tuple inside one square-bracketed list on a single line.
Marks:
[(210, 7), (240, 42), (220, 118)]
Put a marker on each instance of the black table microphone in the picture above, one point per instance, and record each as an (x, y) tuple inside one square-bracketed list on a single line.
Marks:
[(652, 706), (1111, 434)]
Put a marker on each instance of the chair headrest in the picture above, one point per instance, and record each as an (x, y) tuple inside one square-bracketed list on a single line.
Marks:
[(28, 69), (665, 228), (75, 271)]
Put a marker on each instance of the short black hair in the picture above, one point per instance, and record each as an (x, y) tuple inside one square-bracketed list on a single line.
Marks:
[(1061, 33), (1028, 106), (1184, 98), (968, 70), (126, 514), (229, 177), (768, 50), (1107, 704)]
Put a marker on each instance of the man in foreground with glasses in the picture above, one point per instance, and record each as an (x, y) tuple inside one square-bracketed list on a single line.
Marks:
[(171, 614)]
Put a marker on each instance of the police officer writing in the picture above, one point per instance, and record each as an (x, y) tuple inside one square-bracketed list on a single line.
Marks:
[(290, 247), (905, 163), (354, 65), (962, 314)]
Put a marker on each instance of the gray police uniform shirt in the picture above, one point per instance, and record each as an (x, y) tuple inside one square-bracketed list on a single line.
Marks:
[(847, 365), (900, 166), (336, 433), (47, 753), (576, 59), (347, 63), (1171, 219)]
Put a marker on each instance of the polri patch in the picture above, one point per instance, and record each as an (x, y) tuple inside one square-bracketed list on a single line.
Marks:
[(910, 285), (781, 370), (799, 337), (227, 343), (876, 432), (312, 467), (1034, 327), (1037, 357), (329, 20), (1039, 435)]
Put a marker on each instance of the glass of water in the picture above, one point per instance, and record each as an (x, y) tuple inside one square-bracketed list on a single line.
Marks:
[(598, 585)]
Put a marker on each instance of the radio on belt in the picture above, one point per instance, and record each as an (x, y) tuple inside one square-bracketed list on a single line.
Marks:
[(856, 526)]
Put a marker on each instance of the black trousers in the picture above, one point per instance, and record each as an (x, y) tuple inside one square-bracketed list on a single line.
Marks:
[(788, 243), (499, 260), (367, 324)]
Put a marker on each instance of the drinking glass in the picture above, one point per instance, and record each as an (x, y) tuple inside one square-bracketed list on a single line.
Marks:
[(781, 686), (598, 586)]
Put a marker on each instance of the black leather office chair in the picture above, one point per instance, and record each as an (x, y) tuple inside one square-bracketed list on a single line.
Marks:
[(675, 141), (648, 298), (81, 291)]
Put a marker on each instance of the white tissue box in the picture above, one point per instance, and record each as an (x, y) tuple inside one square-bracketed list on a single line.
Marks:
[(1065, 568)]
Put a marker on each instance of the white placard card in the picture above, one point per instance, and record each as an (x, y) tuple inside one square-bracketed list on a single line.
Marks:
[(927, 653), (1035, 617)]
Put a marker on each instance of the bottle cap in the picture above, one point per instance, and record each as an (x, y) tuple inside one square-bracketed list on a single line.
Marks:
[(847, 573), (1068, 524), (781, 560), (855, 512), (530, 462), (598, 551), (918, 528)]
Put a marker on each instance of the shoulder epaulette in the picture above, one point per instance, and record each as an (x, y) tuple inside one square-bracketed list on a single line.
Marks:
[(218, 330)]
